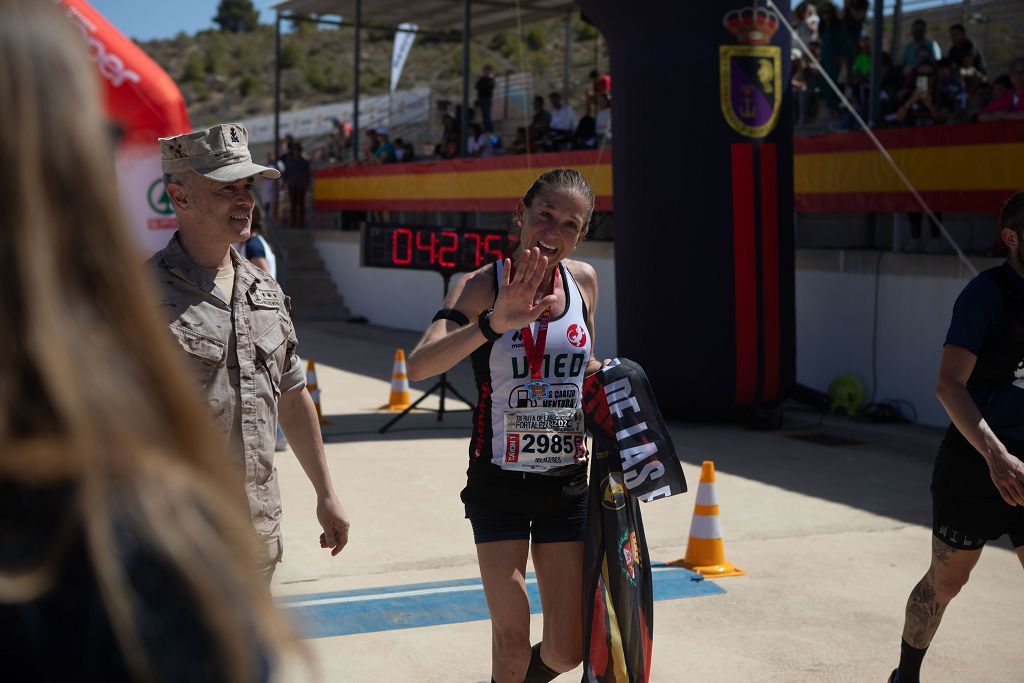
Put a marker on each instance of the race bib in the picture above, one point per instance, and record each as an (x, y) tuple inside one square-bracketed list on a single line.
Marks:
[(539, 439)]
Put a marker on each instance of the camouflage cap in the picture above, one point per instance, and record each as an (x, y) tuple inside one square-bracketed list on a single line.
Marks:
[(220, 153)]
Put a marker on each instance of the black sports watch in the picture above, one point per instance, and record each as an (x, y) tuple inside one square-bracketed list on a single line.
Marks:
[(484, 322)]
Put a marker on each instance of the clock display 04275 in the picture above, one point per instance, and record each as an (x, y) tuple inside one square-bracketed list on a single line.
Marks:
[(446, 250)]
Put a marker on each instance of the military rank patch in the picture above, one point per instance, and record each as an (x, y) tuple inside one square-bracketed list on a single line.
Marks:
[(264, 298)]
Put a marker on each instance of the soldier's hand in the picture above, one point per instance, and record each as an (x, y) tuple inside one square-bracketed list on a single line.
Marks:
[(334, 521), (1007, 472)]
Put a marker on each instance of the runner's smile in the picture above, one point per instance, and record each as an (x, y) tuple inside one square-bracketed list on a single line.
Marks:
[(554, 223)]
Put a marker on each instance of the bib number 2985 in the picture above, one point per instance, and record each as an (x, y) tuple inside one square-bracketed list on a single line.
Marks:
[(550, 443)]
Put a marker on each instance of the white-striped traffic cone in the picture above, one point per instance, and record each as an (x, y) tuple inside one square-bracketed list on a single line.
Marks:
[(314, 390), (705, 551), (399, 399)]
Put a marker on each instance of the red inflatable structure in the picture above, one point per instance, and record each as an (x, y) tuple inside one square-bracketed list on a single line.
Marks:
[(146, 104)]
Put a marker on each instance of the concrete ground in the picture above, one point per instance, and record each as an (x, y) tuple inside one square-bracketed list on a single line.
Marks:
[(833, 538)]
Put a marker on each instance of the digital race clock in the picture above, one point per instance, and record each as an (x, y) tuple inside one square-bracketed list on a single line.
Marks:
[(446, 250)]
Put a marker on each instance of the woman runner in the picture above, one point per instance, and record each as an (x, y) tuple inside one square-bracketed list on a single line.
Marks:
[(527, 323)]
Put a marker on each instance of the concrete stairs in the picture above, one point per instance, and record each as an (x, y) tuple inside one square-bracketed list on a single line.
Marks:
[(305, 278)]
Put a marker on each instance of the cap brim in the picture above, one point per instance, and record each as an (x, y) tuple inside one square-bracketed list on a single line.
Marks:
[(233, 172)]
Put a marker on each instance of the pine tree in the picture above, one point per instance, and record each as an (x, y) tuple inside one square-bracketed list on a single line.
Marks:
[(237, 16)]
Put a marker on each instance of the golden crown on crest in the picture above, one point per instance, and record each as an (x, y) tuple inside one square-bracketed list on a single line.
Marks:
[(751, 24)]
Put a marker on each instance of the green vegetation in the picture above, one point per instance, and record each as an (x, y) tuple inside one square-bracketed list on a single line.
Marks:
[(534, 38), (237, 16), (229, 73), (194, 71)]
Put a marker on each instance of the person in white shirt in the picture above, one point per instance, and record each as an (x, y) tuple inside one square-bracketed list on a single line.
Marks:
[(563, 121), (479, 142)]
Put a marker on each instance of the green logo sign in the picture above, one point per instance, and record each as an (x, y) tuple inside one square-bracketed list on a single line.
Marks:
[(158, 199)]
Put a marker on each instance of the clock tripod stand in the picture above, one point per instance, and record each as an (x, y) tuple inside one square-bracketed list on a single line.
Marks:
[(442, 386)]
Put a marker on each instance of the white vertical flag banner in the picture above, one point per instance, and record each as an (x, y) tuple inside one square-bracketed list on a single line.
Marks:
[(403, 44)]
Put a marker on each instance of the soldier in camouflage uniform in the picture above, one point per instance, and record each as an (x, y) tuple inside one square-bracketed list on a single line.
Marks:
[(232, 321)]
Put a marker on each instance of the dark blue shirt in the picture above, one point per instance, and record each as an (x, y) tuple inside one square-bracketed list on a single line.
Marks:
[(978, 313), (254, 248)]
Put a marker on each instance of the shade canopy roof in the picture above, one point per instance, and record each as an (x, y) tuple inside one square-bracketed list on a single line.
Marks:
[(435, 15)]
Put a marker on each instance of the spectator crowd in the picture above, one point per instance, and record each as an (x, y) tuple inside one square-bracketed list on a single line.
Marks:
[(554, 126), (924, 87)]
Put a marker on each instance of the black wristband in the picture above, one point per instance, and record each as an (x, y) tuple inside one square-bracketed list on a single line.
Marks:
[(484, 322), (457, 317)]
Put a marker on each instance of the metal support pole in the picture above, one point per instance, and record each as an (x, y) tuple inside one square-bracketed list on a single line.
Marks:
[(464, 119), (355, 80), (895, 49), (277, 87), (874, 113), (508, 81), (567, 65)]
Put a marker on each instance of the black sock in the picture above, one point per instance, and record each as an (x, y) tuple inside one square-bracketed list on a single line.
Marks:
[(910, 663), (539, 672)]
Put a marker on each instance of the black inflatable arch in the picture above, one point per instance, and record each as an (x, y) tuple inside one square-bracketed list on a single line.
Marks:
[(703, 186)]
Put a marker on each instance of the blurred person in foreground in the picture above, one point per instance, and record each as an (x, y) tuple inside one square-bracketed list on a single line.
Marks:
[(978, 480), (233, 324), (125, 552)]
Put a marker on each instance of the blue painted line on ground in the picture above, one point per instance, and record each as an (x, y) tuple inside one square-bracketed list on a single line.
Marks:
[(323, 615)]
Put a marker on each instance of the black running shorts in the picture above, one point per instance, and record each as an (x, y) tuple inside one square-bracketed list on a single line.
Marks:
[(967, 510), (566, 524), (504, 505)]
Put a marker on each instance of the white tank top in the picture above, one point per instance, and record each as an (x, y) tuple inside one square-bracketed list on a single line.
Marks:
[(503, 373)]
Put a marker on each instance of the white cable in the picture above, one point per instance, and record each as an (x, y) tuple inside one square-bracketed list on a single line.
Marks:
[(881, 148)]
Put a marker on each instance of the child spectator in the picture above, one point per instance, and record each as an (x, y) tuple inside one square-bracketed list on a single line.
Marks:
[(1010, 103), (448, 148), (520, 145)]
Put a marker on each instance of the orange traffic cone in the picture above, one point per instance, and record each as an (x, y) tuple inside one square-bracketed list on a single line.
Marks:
[(314, 390), (399, 399), (705, 551)]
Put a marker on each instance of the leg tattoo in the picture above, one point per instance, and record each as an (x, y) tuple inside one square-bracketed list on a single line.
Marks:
[(926, 605), (941, 552), (924, 613)]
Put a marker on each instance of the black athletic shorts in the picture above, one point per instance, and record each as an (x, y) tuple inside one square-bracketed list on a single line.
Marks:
[(967, 509), (503, 505), (568, 523)]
